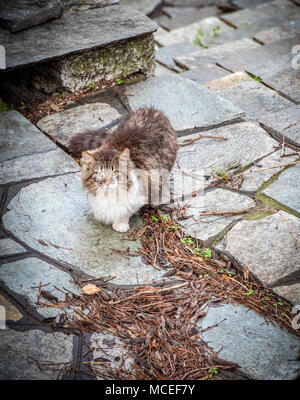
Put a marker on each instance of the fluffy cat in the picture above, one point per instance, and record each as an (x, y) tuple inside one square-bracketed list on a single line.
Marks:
[(122, 170)]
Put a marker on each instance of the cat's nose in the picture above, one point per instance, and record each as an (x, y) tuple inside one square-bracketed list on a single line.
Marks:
[(106, 180)]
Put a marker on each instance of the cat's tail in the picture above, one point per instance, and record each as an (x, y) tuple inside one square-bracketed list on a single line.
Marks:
[(88, 140)]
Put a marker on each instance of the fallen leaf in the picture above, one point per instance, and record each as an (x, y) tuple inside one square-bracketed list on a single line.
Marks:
[(90, 289), (54, 107)]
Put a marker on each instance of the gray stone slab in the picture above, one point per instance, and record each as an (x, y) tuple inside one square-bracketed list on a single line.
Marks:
[(18, 137), (283, 31), (290, 292), (263, 60), (263, 351), (251, 15), (245, 143), (94, 28), (143, 6), (63, 125), (38, 165), (217, 200), (110, 347), (186, 18), (11, 312), (205, 73), (161, 70), (286, 188), (283, 123), (189, 32), (165, 55), (9, 247), (21, 14), (265, 246), (107, 97), (20, 276), (228, 81), (16, 347), (287, 82), (216, 54), (174, 12), (79, 239), (247, 30), (195, 107), (254, 98), (249, 3), (190, 3), (84, 5), (254, 180)]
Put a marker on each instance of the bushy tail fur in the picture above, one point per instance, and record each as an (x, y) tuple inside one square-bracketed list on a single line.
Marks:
[(88, 140)]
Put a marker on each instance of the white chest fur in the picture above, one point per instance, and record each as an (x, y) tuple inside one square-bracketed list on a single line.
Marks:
[(112, 206)]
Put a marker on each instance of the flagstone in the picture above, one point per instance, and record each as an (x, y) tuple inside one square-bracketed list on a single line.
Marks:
[(195, 107), (263, 350), (63, 125), (189, 32), (9, 247), (21, 276), (18, 348), (250, 15), (284, 123), (202, 227), (285, 189), (267, 248), (71, 234), (18, 137)]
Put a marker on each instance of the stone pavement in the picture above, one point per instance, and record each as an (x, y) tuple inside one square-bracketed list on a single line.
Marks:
[(243, 86)]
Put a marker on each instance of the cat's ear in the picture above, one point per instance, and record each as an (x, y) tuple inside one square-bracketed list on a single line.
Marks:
[(87, 158), (124, 155)]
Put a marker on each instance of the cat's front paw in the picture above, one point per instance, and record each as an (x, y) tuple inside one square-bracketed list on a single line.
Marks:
[(121, 226)]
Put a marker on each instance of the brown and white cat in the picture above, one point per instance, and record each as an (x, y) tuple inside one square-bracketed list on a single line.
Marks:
[(122, 170)]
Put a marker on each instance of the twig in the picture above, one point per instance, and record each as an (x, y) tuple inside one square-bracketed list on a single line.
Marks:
[(290, 230), (150, 292), (282, 146), (229, 212), (262, 169), (190, 141)]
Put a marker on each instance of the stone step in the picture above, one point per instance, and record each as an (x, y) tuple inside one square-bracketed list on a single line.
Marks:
[(249, 95), (143, 6), (108, 43), (26, 153), (166, 55), (216, 54), (248, 30), (265, 60), (284, 8), (286, 82), (188, 33), (284, 124), (185, 18), (65, 124), (286, 30), (187, 104), (205, 73)]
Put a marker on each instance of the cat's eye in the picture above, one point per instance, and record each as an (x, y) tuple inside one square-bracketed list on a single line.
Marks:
[(116, 172)]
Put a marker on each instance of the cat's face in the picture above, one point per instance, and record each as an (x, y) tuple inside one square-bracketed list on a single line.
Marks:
[(105, 171)]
